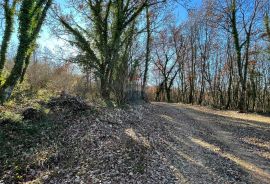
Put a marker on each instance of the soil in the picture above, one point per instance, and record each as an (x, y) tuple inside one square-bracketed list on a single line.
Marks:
[(150, 143)]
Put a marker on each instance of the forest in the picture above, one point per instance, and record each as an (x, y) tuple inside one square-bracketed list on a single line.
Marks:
[(170, 83), (218, 56)]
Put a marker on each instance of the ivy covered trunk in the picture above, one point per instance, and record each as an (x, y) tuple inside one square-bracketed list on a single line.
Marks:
[(104, 88), (168, 94), (9, 12), (31, 17), (15, 74), (106, 46), (147, 54)]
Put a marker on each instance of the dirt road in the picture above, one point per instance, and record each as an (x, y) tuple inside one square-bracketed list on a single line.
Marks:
[(156, 143), (202, 147)]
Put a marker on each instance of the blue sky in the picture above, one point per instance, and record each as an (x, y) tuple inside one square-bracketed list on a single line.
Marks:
[(47, 40), (181, 12)]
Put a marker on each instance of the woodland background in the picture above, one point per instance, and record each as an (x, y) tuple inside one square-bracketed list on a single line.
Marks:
[(122, 51)]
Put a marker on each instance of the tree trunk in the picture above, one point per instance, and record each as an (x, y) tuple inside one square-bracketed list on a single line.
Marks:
[(15, 74), (168, 94), (9, 20), (229, 90), (147, 54), (104, 89)]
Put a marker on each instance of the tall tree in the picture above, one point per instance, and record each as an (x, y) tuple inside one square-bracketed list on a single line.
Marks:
[(31, 17), (166, 63), (9, 13), (147, 53), (102, 43), (248, 25), (238, 19)]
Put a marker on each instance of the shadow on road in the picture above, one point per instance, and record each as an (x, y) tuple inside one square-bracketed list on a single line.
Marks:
[(211, 147)]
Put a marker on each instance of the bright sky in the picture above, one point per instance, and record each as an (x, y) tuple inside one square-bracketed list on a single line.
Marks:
[(49, 41)]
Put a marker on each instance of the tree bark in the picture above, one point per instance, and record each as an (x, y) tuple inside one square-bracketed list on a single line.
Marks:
[(9, 22), (147, 54)]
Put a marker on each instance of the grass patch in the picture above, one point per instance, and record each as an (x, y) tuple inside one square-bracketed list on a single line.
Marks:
[(10, 117)]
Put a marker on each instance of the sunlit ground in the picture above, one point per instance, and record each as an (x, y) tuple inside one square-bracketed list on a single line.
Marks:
[(227, 113), (243, 163), (241, 139)]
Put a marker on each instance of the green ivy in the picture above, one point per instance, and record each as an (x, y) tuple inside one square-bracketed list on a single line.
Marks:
[(9, 13), (31, 17)]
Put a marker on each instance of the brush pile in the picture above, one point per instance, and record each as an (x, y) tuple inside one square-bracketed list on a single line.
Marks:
[(67, 103)]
